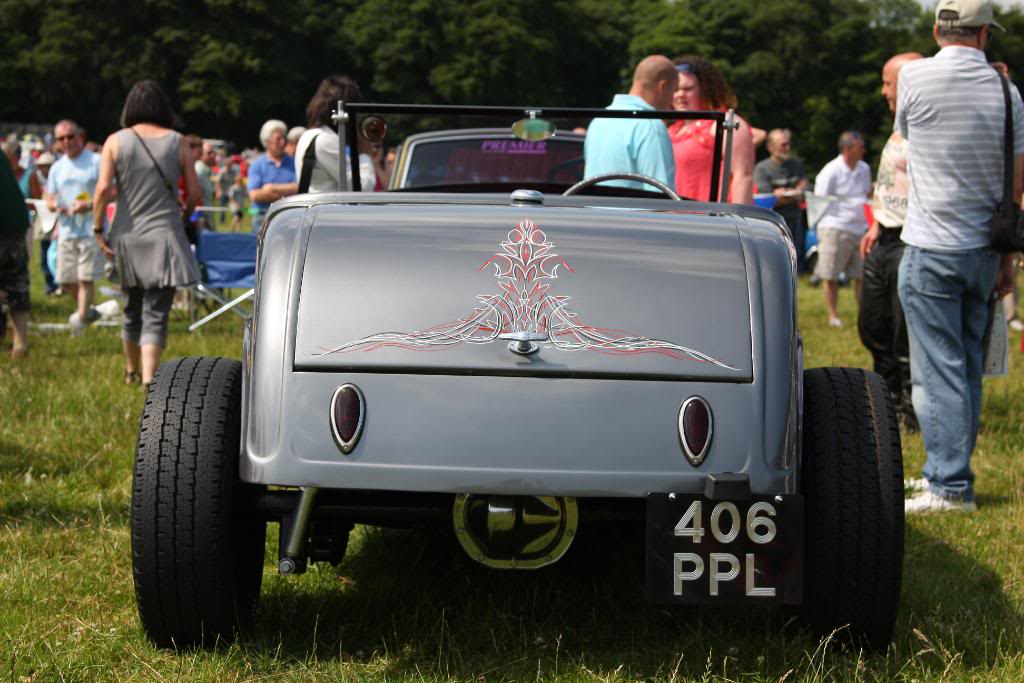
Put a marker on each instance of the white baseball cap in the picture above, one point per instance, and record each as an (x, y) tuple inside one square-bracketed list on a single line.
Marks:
[(965, 13)]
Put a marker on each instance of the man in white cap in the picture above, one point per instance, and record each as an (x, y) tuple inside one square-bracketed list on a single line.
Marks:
[(950, 109)]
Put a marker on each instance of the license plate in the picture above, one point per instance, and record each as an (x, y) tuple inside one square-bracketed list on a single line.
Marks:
[(702, 551)]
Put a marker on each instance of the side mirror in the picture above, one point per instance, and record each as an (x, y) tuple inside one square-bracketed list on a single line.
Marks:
[(373, 129)]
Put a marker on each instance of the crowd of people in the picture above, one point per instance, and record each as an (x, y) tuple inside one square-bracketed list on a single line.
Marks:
[(919, 259)]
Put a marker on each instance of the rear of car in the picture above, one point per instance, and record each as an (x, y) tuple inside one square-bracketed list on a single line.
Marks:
[(650, 374), (520, 368)]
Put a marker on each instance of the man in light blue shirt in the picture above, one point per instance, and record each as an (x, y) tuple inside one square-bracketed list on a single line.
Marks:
[(636, 145), (70, 188)]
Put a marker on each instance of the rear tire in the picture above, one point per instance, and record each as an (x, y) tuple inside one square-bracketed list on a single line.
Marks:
[(853, 492), (197, 546)]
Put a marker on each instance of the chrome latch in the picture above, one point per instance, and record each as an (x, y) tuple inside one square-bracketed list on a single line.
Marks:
[(523, 342)]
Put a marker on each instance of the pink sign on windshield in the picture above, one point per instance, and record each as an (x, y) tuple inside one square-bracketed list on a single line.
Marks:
[(513, 147)]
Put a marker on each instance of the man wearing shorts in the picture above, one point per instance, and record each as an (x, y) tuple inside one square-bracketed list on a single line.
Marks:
[(69, 191), (847, 179)]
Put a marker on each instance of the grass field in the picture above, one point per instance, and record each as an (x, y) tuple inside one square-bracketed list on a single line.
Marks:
[(407, 605)]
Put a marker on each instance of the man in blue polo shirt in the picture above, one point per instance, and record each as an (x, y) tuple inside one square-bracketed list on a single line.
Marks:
[(272, 176), (636, 145)]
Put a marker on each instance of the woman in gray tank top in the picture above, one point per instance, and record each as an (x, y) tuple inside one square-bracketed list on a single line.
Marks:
[(140, 167)]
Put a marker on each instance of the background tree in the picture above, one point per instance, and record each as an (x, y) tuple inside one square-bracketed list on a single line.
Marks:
[(231, 64)]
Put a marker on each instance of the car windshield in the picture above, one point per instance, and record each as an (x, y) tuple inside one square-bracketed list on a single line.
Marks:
[(520, 148), (494, 158)]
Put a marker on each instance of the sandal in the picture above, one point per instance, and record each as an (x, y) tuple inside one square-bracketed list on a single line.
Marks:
[(131, 377)]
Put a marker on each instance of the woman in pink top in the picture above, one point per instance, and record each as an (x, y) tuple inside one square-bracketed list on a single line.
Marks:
[(702, 86)]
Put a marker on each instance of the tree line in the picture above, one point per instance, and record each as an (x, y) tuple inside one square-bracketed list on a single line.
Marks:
[(808, 65)]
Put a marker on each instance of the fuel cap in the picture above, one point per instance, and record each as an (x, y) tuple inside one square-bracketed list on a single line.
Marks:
[(521, 197)]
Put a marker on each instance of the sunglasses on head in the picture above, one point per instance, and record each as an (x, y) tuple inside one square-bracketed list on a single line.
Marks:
[(685, 68)]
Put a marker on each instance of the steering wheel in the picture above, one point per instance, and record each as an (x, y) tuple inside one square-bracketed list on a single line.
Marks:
[(639, 177)]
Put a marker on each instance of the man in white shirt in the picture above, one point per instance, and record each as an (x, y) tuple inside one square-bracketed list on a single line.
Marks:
[(951, 110), (848, 179)]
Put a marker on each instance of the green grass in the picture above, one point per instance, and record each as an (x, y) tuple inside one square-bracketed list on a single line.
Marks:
[(407, 605)]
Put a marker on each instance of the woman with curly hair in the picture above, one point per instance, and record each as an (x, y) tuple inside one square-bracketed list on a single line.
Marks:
[(702, 86)]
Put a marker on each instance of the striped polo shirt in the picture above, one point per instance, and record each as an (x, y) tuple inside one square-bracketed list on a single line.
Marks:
[(950, 108)]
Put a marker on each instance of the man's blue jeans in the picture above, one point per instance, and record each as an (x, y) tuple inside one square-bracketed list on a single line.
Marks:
[(945, 297)]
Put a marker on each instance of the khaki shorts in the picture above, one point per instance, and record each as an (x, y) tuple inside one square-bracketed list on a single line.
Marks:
[(79, 259), (838, 252)]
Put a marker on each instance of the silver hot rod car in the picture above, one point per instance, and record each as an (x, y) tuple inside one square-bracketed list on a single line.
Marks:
[(517, 361)]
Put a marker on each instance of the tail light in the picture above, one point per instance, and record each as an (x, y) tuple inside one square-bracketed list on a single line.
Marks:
[(348, 412), (695, 429)]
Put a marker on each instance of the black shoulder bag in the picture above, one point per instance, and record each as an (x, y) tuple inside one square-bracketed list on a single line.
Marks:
[(191, 232), (308, 162), (1007, 229)]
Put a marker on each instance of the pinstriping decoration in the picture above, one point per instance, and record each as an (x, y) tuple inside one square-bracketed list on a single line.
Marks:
[(525, 267)]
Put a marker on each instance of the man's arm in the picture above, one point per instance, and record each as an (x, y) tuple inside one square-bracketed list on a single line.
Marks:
[(902, 99), (741, 185), (762, 179), (823, 181), (50, 193), (257, 192)]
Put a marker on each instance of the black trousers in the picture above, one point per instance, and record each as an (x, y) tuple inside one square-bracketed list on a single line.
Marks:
[(883, 330)]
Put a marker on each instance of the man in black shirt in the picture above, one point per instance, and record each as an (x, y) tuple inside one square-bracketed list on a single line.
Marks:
[(783, 176)]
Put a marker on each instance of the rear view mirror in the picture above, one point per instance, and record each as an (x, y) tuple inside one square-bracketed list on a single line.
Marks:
[(533, 129)]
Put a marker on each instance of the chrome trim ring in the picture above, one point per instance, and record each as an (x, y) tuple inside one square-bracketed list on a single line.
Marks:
[(347, 446)]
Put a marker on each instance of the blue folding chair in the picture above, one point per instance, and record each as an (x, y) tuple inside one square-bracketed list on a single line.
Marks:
[(227, 260)]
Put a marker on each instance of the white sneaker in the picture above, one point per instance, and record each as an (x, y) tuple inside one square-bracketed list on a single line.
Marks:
[(77, 326), (915, 485), (1016, 324), (835, 322), (926, 501)]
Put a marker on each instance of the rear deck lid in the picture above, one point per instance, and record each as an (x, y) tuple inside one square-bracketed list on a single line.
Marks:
[(611, 293)]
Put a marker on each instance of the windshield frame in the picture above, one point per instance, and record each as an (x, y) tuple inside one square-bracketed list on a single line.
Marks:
[(347, 115)]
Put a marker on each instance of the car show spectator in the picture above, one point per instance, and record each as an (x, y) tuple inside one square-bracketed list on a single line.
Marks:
[(14, 281), (27, 179), (237, 196), (951, 110), (204, 172), (42, 170), (272, 175), (223, 179), (880, 322), (783, 175), (317, 160), (702, 86), (70, 189), (847, 179), (292, 139), (1010, 302), (147, 239), (635, 145)]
